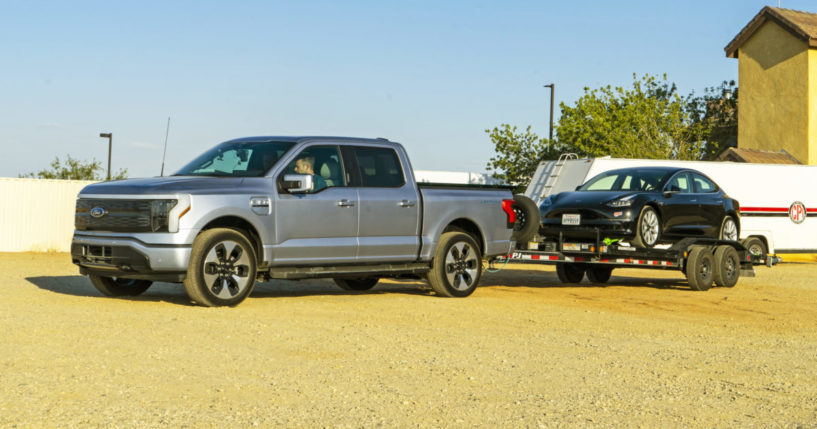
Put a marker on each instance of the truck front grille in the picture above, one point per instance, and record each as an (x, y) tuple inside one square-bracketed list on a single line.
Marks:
[(116, 215)]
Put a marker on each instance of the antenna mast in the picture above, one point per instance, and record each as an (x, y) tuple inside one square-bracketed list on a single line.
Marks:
[(167, 131)]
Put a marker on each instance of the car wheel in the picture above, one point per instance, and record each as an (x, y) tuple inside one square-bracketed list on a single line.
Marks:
[(727, 266), (360, 284), (756, 247), (457, 265), (729, 229), (527, 219), (115, 286), (222, 268), (699, 267), (648, 228), (599, 274), (569, 272)]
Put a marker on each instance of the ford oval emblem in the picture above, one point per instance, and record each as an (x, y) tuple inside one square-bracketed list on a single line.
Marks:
[(97, 212)]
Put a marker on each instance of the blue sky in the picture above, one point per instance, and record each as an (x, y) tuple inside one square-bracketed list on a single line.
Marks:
[(432, 75)]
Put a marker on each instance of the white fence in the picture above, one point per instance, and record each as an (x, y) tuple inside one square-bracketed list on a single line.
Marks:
[(37, 215), (463, 177)]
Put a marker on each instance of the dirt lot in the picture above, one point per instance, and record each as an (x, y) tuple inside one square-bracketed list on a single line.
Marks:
[(523, 351)]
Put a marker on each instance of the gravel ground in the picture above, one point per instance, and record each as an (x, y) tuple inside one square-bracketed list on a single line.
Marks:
[(523, 351)]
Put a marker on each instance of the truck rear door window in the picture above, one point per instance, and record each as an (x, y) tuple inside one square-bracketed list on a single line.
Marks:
[(379, 167)]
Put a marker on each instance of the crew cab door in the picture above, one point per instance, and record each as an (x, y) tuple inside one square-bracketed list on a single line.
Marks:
[(319, 226), (389, 205)]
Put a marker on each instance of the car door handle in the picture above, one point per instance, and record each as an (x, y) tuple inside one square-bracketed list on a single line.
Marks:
[(346, 203), (406, 203)]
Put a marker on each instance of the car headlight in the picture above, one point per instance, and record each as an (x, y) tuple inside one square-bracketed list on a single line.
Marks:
[(160, 214), (622, 202), (548, 201)]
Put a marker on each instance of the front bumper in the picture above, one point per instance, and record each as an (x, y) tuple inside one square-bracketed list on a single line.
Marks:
[(129, 258), (613, 228)]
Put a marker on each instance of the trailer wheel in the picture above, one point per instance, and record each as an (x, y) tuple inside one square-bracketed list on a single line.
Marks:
[(457, 265), (647, 229), (699, 267), (755, 246), (115, 286), (527, 219), (360, 284), (727, 266), (599, 274), (222, 268), (569, 272)]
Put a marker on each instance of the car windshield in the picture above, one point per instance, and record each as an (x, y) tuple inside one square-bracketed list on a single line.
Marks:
[(237, 159), (626, 180)]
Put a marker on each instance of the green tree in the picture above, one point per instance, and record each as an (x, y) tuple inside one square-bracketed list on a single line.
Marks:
[(75, 169), (716, 113), (518, 154), (650, 120)]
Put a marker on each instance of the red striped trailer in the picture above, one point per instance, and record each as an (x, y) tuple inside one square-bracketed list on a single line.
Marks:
[(704, 261)]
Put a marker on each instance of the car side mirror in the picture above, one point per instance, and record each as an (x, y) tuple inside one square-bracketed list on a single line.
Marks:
[(669, 194), (578, 187), (297, 183)]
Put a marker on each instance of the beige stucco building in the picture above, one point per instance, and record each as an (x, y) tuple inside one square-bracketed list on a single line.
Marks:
[(777, 72)]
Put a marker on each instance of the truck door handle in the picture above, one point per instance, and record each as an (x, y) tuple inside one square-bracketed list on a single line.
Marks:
[(406, 203), (346, 203)]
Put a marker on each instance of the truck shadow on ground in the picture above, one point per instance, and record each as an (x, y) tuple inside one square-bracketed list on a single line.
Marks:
[(540, 279), (175, 293)]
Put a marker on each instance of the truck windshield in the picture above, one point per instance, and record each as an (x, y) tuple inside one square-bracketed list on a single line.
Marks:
[(237, 159), (626, 180)]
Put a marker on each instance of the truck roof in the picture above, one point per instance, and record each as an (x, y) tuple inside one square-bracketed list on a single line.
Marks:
[(298, 139)]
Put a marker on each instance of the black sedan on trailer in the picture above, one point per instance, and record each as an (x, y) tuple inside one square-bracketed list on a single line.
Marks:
[(643, 205)]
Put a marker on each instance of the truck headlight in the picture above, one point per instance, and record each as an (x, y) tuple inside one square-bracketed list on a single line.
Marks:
[(160, 214)]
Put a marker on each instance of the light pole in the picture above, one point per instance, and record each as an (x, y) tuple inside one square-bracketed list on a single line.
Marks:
[(110, 143), (552, 87)]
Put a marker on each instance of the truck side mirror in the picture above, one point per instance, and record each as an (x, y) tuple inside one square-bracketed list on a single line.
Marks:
[(297, 183)]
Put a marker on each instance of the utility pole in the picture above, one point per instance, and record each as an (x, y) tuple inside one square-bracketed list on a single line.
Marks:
[(552, 87), (109, 136)]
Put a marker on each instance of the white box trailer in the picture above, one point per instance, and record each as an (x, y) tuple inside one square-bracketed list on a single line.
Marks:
[(778, 202)]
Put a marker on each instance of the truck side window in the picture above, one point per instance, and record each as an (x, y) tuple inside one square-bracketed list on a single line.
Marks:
[(379, 167), (325, 165)]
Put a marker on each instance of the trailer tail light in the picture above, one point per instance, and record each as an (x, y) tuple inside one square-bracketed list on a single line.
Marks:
[(507, 207)]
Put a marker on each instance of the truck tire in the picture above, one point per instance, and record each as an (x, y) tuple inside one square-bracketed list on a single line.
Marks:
[(569, 272), (527, 219), (457, 265), (727, 266), (599, 274), (222, 268), (647, 229), (115, 286), (699, 267), (756, 247), (359, 284)]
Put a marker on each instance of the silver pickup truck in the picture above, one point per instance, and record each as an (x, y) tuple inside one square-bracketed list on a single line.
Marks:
[(265, 208)]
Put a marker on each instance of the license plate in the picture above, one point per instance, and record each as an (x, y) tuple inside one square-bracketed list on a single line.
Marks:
[(571, 219)]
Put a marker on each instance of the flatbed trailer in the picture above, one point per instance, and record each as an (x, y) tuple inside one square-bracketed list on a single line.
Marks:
[(703, 261)]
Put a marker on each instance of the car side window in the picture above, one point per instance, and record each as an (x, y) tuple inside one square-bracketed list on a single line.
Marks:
[(702, 184), (379, 167), (680, 183), (324, 163)]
